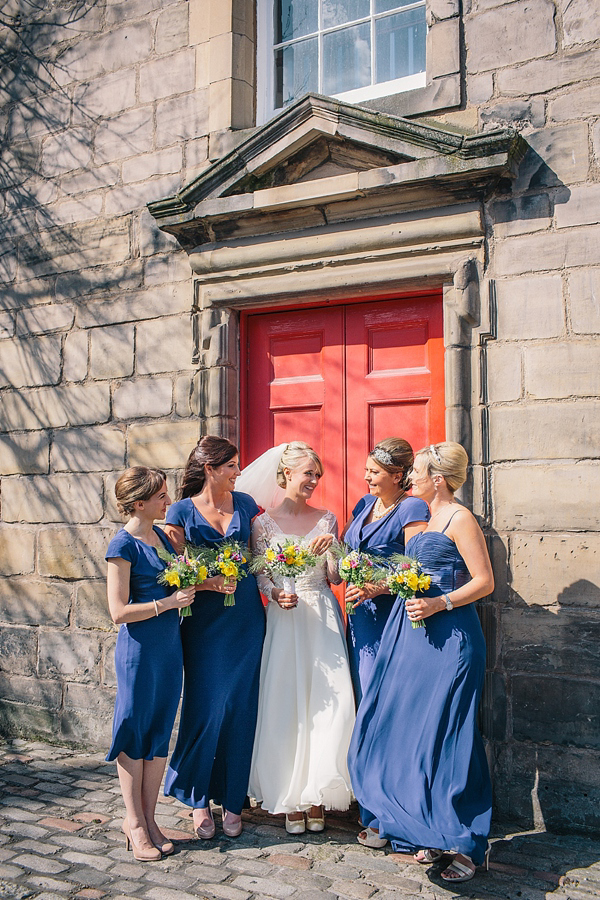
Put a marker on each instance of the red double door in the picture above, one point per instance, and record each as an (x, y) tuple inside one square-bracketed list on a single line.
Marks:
[(342, 378)]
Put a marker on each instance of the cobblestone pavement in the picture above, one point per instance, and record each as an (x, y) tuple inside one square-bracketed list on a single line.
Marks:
[(60, 819)]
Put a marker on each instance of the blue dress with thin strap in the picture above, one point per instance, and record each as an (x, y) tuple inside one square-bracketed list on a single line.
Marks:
[(222, 647), (380, 538), (148, 658), (416, 759)]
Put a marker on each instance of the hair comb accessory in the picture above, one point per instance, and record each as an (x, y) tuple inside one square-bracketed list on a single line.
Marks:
[(435, 454), (382, 456)]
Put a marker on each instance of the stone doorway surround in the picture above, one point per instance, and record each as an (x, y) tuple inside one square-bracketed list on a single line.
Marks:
[(330, 200)]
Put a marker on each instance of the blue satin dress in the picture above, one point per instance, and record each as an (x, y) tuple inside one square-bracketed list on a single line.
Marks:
[(148, 658), (416, 759), (222, 647), (381, 538)]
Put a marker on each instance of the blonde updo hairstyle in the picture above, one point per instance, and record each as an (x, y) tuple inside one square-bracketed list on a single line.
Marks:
[(395, 456), (448, 459), (292, 457), (137, 483)]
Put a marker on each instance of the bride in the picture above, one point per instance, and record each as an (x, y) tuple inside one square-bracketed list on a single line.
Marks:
[(306, 705)]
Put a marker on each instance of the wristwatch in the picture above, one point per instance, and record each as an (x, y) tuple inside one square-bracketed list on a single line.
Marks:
[(448, 602)]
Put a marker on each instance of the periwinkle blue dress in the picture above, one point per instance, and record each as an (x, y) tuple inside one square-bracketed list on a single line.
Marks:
[(148, 658), (416, 758), (222, 647), (380, 538)]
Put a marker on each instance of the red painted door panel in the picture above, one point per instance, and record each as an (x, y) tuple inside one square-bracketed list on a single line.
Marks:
[(342, 378)]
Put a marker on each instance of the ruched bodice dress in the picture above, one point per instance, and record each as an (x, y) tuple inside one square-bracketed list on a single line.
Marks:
[(417, 760), (222, 647), (306, 705), (148, 659), (380, 538)]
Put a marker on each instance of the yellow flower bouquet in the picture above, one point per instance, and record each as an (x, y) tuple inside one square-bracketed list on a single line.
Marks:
[(357, 568), (406, 579), (228, 560), (182, 570), (288, 558)]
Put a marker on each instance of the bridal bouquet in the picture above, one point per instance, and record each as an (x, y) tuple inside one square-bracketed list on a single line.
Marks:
[(357, 568), (182, 570), (406, 579), (227, 559), (288, 558)]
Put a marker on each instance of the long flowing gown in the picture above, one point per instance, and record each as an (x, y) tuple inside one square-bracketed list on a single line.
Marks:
[(222, 647), (148, 658), (417, 759), (306, 706), (382, 537)]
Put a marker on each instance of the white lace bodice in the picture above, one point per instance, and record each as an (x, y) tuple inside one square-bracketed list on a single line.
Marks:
[(265, 531)]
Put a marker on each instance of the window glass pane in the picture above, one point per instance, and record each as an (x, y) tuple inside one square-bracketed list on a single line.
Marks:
[(400, 45), (295, 18), (337, 12), (296, 71), (346, 59), (385, 5)]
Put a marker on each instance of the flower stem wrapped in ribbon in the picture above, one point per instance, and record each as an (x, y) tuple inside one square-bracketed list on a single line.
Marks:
[(357, 568), (406, 579), (289, 559), (182, 570), (228, 560)]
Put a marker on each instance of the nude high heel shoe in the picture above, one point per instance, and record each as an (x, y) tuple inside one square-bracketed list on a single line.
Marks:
[(142, 854)]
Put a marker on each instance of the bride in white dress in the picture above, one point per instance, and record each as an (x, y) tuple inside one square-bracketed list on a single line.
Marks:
[(306, 703)]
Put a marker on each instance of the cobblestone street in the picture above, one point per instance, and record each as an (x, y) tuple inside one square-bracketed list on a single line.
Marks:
[(60, 820)]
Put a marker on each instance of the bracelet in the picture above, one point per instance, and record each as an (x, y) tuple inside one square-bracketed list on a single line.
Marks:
[(155, 607)]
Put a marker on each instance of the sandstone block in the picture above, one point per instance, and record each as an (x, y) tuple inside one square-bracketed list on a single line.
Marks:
[(111, 351), (556, 568), (80, 725), (109, 677), (584, 288), (580, 23), (521, 216), (182, 118), (166, 445), (173, 74), (152, 397), (578, 103), (551, 641), (125, 277), (68, 653), (504, 372), (530, 308), (42, 319), (214, 390), (443, 48), (33, 691), (52, 498), (558, 709), (73, 552), (24, 453), (108, 95), (167, 270), (496, 39), (582, 207), (151, 239), (545, 498), (537, 252), (110, 502), (562, 370), (127, 134), (172, 29), (68, 151), (27, 602), (480, 88), (543, 75), (16, 550), (90, 180), (18, 650), (116, 49), (162, 162), (90, 697), (199, 22), (443, 9), (164, 346), (31, 362), (89, 207), (91, 606), (521, 432), (7, 325), (136, 306), (89, 243), (28, 721), (75, 356), (558, 156), (183, 393), (93, 449), (64, 405)]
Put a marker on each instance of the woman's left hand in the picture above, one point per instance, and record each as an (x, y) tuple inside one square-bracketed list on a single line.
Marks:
[(321, 543), (422, 607)]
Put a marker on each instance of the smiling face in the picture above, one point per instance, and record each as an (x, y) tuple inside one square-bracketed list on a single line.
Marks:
[(156, 505), (223, 478), (421, 480), (380, 482), (301, 481)]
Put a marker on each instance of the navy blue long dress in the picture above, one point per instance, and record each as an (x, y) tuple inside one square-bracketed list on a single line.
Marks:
[(222, 647), (416, 759), (381, 538), (148, 658)]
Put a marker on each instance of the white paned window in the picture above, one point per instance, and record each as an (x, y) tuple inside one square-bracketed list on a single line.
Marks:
[(351, 49)]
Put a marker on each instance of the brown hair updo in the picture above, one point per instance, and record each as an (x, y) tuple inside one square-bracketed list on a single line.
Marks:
[(292, 457), (395, 456), (137, 483), (448, 459), (209, 451)]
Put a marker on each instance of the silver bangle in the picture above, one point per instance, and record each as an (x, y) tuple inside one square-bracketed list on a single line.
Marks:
[(155, 608)]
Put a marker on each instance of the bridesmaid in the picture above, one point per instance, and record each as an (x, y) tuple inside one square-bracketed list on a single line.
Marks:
[(148, 660), (416, 759), (222, 647), (382, 523)]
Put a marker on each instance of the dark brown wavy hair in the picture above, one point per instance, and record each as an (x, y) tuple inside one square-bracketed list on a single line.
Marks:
[(211, 451), (401, 455)]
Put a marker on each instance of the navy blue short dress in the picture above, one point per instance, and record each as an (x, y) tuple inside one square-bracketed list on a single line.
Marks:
[(417, 760), (222, 647), (380, 538), (148, 658)]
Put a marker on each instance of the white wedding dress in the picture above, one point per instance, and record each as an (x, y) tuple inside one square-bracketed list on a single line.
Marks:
[(306, 704)]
